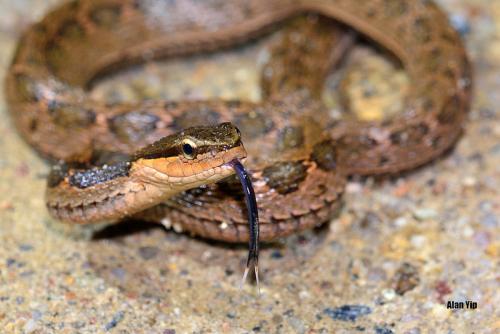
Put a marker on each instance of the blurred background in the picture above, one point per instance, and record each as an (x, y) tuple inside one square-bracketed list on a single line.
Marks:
[(398, 251)]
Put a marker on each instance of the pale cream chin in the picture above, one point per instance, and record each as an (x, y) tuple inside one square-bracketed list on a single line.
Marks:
[(173, 184)]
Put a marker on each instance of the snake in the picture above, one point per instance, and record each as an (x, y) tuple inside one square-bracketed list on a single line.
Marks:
[(171, 161)]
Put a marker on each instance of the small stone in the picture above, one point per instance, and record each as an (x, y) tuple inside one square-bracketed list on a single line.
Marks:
[(25, 247), (406, 278), (400, 221), (489, 220), (30, 326), (418, 240), (148, 252), (370, 219), (115, 320), (119, 273), (389, 294), (276, 254), (78, 324), (440, 311), (297, 324), (353, 188), (347, 312), (442, 288), (467, 232), (424, 214), (36, 315), (469, 181), (493, 250), (382, 330), (304, 294), (482, 239)]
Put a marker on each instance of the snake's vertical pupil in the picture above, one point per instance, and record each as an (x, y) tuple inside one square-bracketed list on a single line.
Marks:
[(187, 149)]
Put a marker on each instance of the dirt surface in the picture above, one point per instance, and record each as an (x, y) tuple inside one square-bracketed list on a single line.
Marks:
[(388, 263)]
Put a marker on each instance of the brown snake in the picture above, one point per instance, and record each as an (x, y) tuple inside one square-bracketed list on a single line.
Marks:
[(298, 157)]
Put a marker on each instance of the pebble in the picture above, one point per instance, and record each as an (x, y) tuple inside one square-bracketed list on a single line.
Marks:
[(406, 278), (148, 252), (418, 240), (304, 294), (276, 254), (382, 330), (25, 247), (469, 181), (297, 324), (78, 324), (115, 320), (467, 232), (422, 214), (36, 315), (489, 220), (400, 221), (440, 311), (206, 316), (353, 187), (442, 288), (119, 273), (482, 239), (30, 326), (370, 219), (388, 294), (347, 312)]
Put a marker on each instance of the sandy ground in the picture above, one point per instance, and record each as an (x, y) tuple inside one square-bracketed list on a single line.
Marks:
[(397, 252)]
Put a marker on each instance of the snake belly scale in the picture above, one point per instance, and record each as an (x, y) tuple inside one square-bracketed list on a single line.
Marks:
[(298, 158)]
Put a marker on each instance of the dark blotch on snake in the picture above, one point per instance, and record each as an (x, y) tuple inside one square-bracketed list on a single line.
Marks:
[(325, 155), (449, 112), (70, 29), (70, 116), (133, 126), (54, 54), (91, 177), (411, 135), (285, 177), (290, 137), (422, 29), (106, 16)]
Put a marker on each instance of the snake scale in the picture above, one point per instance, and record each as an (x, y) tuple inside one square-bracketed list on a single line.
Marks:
[(298, 156)]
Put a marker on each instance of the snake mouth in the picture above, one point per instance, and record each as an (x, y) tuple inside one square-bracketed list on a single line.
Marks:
[(235, 153)]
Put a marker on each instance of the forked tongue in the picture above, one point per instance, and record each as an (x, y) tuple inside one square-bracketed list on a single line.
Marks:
[(253, 221)]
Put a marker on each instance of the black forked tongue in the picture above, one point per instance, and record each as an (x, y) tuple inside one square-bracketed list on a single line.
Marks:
[(253, 220)]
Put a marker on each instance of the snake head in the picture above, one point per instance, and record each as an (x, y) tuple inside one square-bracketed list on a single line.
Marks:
[(195, 156)]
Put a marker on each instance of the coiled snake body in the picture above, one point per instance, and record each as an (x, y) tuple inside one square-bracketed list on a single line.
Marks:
[(298, 157)]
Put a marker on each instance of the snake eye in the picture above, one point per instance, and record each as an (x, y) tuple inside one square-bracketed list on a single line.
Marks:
[(188, 149)]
